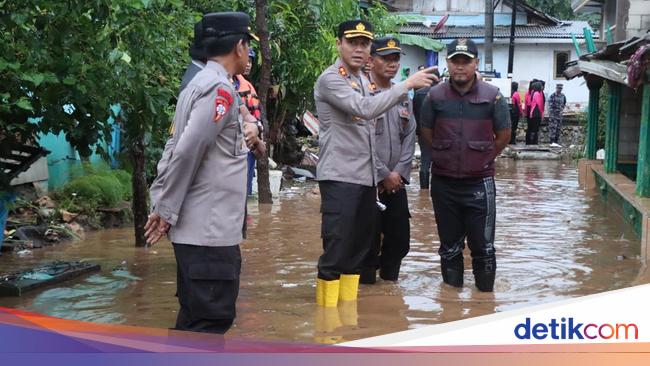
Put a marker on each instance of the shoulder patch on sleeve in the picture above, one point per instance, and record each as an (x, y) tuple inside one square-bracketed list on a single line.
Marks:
[(222, 103)]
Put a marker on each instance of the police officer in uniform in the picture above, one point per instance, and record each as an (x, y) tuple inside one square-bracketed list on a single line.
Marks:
[(197, 63), (395, 145), (467, 123), (346, 169), (203, 195)]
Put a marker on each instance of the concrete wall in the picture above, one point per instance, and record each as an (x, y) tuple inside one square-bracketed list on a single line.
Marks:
[(532, 60), (630, 123)]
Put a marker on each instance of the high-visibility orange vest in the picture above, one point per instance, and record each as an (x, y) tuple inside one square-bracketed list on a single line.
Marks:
[(249, 95)]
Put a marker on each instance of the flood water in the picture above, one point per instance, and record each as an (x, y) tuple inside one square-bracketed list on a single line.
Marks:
[(553, 242)]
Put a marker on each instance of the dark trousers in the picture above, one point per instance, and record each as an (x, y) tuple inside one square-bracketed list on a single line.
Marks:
[(387, 253), (532, 131), (464, 209), (207, 286), (425, 163), (514, 119), (349, 215)]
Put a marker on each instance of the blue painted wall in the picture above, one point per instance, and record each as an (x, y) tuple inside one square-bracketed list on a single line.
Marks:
[(64, 159)]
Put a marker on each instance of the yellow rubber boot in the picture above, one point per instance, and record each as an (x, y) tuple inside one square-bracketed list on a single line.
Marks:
[(349, 287), (327, 292)]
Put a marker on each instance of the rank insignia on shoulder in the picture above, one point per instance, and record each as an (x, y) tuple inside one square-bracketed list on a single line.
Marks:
[(372, 87), (343, 72), (497, 97), (222, 104), (354, 85)]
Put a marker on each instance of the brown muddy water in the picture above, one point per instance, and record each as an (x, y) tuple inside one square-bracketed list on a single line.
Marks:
[(554, 242)]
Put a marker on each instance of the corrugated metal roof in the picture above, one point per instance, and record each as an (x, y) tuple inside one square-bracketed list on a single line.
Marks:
[(563, 30)]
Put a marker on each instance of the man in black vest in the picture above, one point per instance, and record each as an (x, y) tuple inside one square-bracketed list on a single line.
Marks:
[(467, 123)]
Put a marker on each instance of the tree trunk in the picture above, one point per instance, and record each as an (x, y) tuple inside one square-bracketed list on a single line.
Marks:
[(263, 185), (139, 184)]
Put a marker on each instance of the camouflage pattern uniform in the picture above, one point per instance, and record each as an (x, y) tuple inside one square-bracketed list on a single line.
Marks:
[(556, 104)]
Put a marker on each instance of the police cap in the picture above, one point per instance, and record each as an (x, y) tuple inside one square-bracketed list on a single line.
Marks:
[(386, 46), (355, 28), (462, 46), (226, 24)]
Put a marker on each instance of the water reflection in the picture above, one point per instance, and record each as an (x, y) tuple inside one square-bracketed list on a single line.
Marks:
[(553, 242)]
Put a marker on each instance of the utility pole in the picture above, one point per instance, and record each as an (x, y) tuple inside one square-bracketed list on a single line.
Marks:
[(489, 34), (511, 49)]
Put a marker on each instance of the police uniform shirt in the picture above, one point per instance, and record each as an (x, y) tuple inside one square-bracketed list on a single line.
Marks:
[(346, 111), (395, 138), (161, 169), (204, 188)]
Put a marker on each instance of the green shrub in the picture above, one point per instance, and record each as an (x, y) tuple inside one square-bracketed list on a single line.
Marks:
[(102, 188), (81, 189), (110, 187), (125, 179)]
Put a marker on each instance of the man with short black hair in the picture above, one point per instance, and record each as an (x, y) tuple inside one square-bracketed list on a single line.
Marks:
[(202, 199), (466, 122), (346, 169)]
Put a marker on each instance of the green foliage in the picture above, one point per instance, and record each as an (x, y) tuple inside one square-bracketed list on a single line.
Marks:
[(560, 9), (53, 70), (148, 54), (63, 63), (102, 188), (125, 180)]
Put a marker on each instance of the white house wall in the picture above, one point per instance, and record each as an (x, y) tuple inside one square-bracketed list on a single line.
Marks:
[(532, 60)]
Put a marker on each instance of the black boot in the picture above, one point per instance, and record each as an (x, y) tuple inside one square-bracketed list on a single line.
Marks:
[(452, 270), (484, 272), (424, 180), (368, 276), (389, 273)]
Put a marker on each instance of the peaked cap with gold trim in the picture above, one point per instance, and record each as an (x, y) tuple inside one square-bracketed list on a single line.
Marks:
[(355, 28), (385, 46)]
